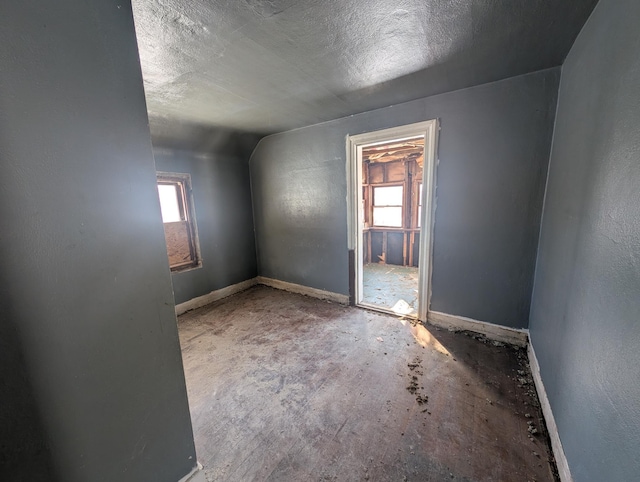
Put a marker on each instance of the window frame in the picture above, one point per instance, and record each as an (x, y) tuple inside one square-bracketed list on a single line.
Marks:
[(186, 206), (417, 204), (401, 206)]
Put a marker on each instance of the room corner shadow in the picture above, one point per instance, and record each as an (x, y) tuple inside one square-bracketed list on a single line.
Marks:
[(25, 454)]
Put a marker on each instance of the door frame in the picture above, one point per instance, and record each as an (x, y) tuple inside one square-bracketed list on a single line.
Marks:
[(355, 210)]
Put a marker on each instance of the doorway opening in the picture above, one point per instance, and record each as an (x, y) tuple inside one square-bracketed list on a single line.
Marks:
[(391, 175), (391, 186)]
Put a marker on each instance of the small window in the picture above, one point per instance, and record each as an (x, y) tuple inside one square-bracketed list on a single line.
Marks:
[(387, 206), (178, 216)]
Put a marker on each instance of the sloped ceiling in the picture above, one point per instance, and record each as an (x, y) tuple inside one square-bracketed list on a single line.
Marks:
[(271, 65)]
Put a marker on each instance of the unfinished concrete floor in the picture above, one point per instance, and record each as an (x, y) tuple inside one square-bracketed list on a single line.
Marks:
[(284, 387)]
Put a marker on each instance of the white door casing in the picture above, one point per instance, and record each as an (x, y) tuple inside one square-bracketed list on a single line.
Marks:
[(355, 212)]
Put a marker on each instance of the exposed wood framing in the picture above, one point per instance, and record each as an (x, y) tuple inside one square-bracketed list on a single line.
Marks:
[(392, 171), (406, 150)]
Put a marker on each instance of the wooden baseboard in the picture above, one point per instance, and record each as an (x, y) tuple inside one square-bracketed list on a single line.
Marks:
[(216, 295), (304, 290), (501, 333), (196, 475), (552, 428)]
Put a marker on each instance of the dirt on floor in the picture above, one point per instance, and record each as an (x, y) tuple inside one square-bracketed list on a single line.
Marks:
[(284, 387)]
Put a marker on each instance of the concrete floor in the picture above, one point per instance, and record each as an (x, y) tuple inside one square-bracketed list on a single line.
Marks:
[(390, 286), (283, 387)]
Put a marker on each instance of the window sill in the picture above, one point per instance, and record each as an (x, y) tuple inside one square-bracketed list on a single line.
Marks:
[(184, 269)]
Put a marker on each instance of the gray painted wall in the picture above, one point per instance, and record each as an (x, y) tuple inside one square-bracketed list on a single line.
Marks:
[(91, 374), (222, 198), (584, 315), (493, 149)]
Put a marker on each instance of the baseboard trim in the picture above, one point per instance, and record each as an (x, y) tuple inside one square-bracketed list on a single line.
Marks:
[(501, 333), (552, 428), (216, 295), (304, 290), (196, 475)]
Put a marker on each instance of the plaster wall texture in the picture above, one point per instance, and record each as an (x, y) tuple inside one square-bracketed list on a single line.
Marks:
[(493, 154), (586, 300), (91, 376), (224, 216), (271, 66)]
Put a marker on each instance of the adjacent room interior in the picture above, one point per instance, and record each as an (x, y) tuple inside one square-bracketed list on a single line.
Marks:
[(215, 267), (392, 202)]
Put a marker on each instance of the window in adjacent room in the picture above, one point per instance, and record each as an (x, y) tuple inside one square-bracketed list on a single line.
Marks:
[(178, 216), (387, 206)]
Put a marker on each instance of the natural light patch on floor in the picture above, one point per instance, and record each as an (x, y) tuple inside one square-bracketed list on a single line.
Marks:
[(426, 339)]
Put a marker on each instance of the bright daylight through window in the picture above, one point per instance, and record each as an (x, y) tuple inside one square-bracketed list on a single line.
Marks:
[(387, 206), (178, 216)]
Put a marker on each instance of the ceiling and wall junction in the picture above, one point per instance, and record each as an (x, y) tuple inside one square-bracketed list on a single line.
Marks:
[(272, 65)]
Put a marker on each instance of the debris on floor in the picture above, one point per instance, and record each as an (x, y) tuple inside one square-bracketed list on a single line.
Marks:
[(414, 387), (279, 390)]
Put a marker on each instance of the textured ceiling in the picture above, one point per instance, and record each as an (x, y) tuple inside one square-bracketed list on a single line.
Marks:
[(272, 65)]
